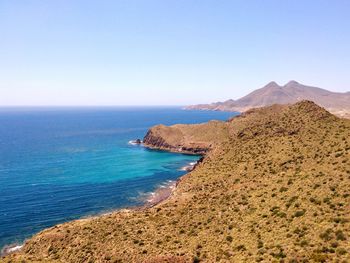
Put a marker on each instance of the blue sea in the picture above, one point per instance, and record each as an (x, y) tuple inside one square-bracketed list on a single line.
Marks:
[(60, 164)]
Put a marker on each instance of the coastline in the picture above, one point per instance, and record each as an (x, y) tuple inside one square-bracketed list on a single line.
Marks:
[(11, 248), (239, 197), (200, 152), (161, 194)]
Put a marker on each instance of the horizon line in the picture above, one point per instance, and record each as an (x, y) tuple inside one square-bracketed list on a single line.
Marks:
[(89, 106)]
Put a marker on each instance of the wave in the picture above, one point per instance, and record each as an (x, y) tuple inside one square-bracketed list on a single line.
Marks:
[(162, 192), (188, 167), (135, 142), (10, 249)]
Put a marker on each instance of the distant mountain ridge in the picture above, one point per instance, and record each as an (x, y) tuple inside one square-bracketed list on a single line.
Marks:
[(292, 92)]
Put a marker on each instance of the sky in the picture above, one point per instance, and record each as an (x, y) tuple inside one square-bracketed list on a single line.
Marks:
[(167, 52)]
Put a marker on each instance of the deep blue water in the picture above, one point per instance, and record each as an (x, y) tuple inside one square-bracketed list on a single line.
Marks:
[(59, 164)]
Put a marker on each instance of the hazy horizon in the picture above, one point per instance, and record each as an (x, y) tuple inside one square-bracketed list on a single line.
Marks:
[(167, 53), (91, 106)]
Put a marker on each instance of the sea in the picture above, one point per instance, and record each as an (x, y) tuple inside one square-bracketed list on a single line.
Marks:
[(63, 163)]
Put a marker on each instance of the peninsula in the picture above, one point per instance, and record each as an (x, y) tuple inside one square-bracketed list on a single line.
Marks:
[(274, 186)]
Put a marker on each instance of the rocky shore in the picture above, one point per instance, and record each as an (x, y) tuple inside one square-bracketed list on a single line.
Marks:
[(164, 191)]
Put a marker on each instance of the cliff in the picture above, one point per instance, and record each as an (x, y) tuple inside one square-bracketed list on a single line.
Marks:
[(274, 186), (192, 139), (292, 92)]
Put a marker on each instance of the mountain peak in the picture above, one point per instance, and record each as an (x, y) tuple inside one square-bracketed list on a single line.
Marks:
[(292, 83), (272, 84)]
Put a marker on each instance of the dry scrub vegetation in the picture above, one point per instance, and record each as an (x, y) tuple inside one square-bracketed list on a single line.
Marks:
[(275, 189)]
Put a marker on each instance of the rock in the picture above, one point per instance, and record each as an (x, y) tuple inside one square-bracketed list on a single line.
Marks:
[(135, 142)]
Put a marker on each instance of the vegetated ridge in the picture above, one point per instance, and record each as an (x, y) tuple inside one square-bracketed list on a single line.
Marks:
[(292, 92), (274, 186)]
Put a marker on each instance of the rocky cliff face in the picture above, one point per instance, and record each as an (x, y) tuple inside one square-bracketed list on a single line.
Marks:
[(190, 139), (156, 141)]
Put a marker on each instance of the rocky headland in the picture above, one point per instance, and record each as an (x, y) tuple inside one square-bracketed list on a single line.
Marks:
[(273, 186), (190, 139)]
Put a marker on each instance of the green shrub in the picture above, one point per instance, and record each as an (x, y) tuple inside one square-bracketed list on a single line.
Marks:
[(299, 213), (341, 251), (327, 235), (196, 259), (340, 235)]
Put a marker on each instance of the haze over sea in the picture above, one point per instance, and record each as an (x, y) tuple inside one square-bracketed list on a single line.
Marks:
[(60, 164)]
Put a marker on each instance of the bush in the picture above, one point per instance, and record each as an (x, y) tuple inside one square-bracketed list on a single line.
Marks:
[(241, 248), (340, 235), (341, 251), (299, 213), (327, 235), (283, 189), (196, 259)]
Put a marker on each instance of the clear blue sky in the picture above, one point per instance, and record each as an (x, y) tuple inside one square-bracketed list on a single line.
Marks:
[(161, 52)]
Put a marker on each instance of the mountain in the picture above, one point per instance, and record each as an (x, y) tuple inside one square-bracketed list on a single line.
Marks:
[(292, 92), (273, 186)]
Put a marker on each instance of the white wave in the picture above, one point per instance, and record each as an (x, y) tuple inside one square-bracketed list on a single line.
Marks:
[(184, 168), (10, 249), (15, 248), (133, 142), (189, 167)]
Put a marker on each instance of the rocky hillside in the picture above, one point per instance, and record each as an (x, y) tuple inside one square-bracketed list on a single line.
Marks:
[(275, 189), (193, 139), (292, 92)]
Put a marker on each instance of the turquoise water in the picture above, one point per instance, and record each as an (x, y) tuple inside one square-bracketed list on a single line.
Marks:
[(59, 164)]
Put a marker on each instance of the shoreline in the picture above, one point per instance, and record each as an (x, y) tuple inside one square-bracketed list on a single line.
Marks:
[(180, 151), (11, 248), (161, 194)]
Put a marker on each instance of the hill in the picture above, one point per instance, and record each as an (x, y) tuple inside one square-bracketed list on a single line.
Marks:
[(274, 186), (292, 92)]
